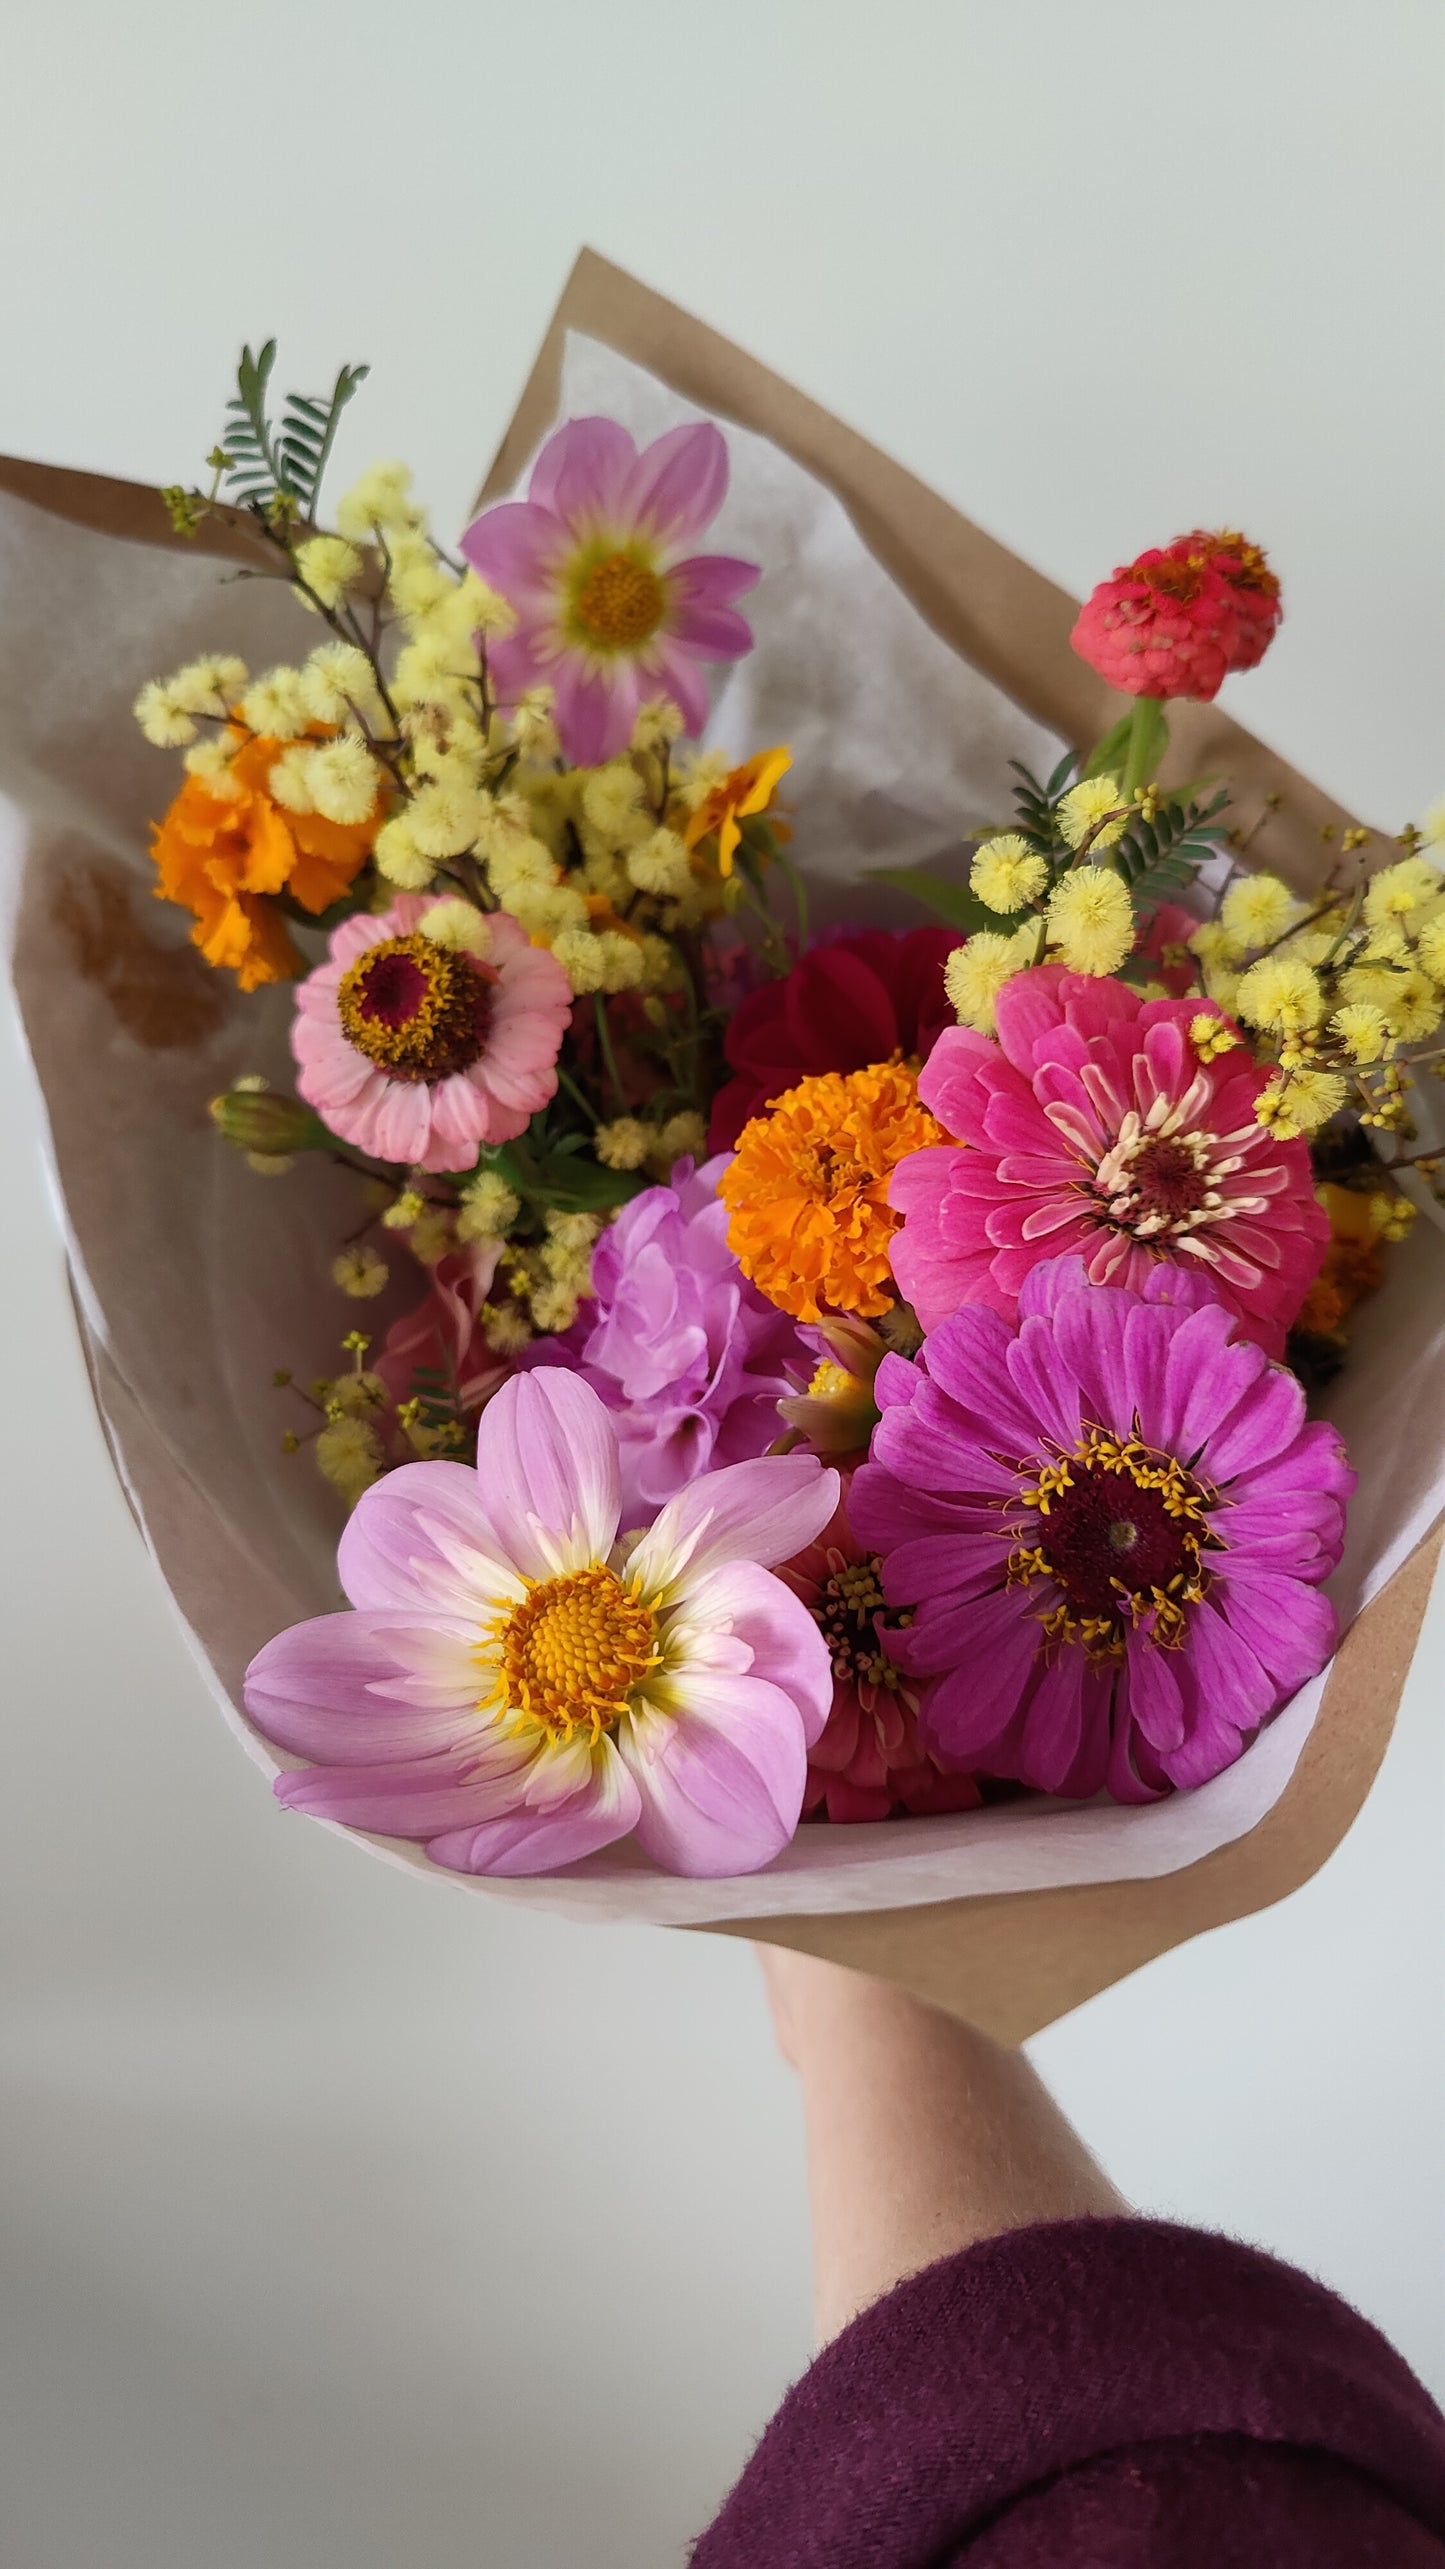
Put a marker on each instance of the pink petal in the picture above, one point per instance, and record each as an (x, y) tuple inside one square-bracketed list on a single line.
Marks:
[(532, 1839), (712, 579), (967, 1709), (1155, 1702), (786, 1646), (520, 550), (672, 671), (421, 1538), (355, 1689), (763, 1512), (679, 482), (1292, 1629), (721, 1779), (597, 705), (402, 1801), (547, 1471), (717, 633), (584, 473), (1049, 1739)]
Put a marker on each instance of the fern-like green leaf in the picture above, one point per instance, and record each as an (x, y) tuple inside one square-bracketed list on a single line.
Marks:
[(269, 463), (1159, 857)]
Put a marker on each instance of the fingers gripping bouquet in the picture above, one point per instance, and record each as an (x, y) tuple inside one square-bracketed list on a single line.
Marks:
[(843, 1376)]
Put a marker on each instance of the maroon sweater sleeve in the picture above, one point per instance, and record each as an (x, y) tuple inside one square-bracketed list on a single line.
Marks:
[(1116, 2392)]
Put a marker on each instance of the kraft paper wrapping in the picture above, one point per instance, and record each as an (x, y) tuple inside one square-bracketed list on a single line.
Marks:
[(906, 657)]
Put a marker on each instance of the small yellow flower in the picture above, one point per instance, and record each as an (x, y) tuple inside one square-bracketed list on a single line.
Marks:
[(430, 1235), (1430, 947), (1409, 1001), (1399, 890), (329, 566), (1091, 920), (581, 956), (210, 760), (488, 1208), (621, 960), (165, 724), (381, 499), (360, 1272), (659, 722), (444, 815), (553, 1306), (1256, 910), (661, 865), (1084, 807), (534, 727), (975, 973), (1301, 1101), (343, 779), (623, 1144), (682, 1137), (454, 923), (1212, 1035), (406, 1209), (400, 859), (348, 1451), (275, 705), (1007, 873), (1281, 995), (613, 813), (1362, 1029), (338, 680)]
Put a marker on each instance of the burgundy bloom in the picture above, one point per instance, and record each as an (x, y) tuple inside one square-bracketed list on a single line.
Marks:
[(1092, 1124), (1111, 1523), (869, 1762), (843, 1007)]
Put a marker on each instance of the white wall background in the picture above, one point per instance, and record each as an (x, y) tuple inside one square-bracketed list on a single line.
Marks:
[(343, 2221)]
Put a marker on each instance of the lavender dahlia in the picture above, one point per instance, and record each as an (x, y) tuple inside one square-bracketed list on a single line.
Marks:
[(517, 1688), (1111, 1522)]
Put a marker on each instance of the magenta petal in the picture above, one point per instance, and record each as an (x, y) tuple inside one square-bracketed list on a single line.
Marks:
[(712, 579), (547, 1473), (355, 1689), (717, 633), (596, 706), (679, 482), (518, 550), (967, 1709), (787, 1648), (1045, 1749), (583, 473), (528, 1840), (1154, 1699), (419, 1537), (721, 1779), (762, 1512)]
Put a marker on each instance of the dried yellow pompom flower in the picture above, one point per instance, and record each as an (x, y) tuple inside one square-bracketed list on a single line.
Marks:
[(329, 567), (975, 973), (1398, 890), (1091, 920), (344, 779), (210, 760), (289, 780), (582, 959), (1299, 1102), (1362, 1030), (430, 1235), (405, 1209), (1007, 873), (444, 815), (1282, 995), (454, 923), (1211, 1035), (1085, 806), (348, 1451), (613, 812), (1256, 910), (488, 1208), (165, 723), (380, 500), (275, 705), (660, 865), (621, 960), (505, 1329), (658, 723), (415, 579), (624, 1144), (1408, 1001), (682, 1137), (360, 1272), (400, 859), (338, 680), (1430, 947), (534, 727)]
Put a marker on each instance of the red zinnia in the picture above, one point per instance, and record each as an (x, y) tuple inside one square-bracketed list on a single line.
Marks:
[(1257, 602), (844, 1007), (1180, 618)]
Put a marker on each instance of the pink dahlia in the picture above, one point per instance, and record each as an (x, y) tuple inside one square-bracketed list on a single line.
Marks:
[(1110, 1523), (869, 1761), (443, 1333), (613, 607), (1094, 1125), (850, 1003), (1165, 625), (417, 1052), (689, 1357), (516, 1688)]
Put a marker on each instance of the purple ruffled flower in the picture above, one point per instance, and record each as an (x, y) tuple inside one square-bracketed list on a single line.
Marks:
[(688, 1356), (1111, 1521)]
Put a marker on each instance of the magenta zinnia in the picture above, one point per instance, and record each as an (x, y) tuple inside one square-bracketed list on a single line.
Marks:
[(1095, 1124), (613, 608), (1109, 1525)]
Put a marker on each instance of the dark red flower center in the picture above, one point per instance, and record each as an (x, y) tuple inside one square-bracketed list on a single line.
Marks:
[(1119, 1529), (422, 1011), (1104, 1534), (1169, 1179), (846, 1609)]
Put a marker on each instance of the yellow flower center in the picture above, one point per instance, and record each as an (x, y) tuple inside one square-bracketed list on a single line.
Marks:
[(620, 602), (808, 1189), (419, 1009), (1120, 1529), (571, 1654)]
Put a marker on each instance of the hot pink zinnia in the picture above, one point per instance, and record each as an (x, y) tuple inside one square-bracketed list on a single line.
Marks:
[(517, 1688), (417, 1052), (1094, 1125), (1110, 1524), (1165, 625), (612, 607)]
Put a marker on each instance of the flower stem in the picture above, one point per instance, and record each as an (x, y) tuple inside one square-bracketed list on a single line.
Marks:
[(1142, 757)]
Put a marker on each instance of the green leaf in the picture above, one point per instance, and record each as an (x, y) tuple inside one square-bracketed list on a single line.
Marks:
[(267, 462), (1147, 745), (584, 1186), (954, 903)]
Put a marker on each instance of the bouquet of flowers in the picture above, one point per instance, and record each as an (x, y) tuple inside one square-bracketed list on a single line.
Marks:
[(818, 1376)]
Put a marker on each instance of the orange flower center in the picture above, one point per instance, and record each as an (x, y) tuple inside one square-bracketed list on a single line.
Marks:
[(620, 602), (808, 1189), (1181, 580), (573, 1651), (419, 1010)]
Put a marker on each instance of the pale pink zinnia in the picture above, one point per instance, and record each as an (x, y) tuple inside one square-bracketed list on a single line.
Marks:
[(1107, 1528), (419, 1052), (613, 607), (517, 1688), (1097, 1124)]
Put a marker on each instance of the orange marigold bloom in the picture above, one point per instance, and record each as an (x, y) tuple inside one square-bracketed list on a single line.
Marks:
[(808, 1189), (747, 790), (220, 856)]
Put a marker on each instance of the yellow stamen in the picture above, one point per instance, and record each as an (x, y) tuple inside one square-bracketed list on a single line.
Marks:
[(570, 1656), (620, 602)]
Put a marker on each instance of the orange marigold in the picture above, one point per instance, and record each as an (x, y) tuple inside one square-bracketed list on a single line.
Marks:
[(221, 857), (808, 1189)]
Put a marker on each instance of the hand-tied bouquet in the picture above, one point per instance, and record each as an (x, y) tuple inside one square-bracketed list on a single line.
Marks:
[(855, 1375)]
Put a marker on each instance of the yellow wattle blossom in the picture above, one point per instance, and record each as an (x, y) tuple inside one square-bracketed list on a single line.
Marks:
[(1398, 891), (533, 721), (740, 795), (1256, 910), (661, 865), (683, 1137), (505, 1328), (343, 779), (399, 858), (165, 723), (349, 1453), (405, 1209), (1430, 947), (1362, 1029), (275, 703), (210, 761), (1211, 1035), (1409, 1001), (329, 566), (1281, 995), (1007, 874), (658, 724), (623, 1144), (380, 501), (360, 1272), (338, 680), (975, 973), (1085, 806), (1091, 920), (488, 1208), (1298, 1102), (454, 923), (612, 813), (580, 954)]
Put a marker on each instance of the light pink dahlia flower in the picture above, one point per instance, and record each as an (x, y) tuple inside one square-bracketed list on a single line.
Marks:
[(417, 1052), (1108, 1525), (517, 1688), (612, 606), (1093, 1124)]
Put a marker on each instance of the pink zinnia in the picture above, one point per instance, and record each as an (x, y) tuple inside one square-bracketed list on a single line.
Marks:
[(517, 1688), (1167, 624), (418, 1052), (1110, 1524), (869, 1762), (613, 607), (1094, 1125)]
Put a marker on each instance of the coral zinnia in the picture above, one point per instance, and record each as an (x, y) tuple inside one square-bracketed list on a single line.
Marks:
[(221, 855), (420, 1052), (858, 1000), (1094, 1124), (1254, 587), (870, 1761), (1111, 1523), (611, 609), (1164, 625), (808, 1190), (517, 1689)]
